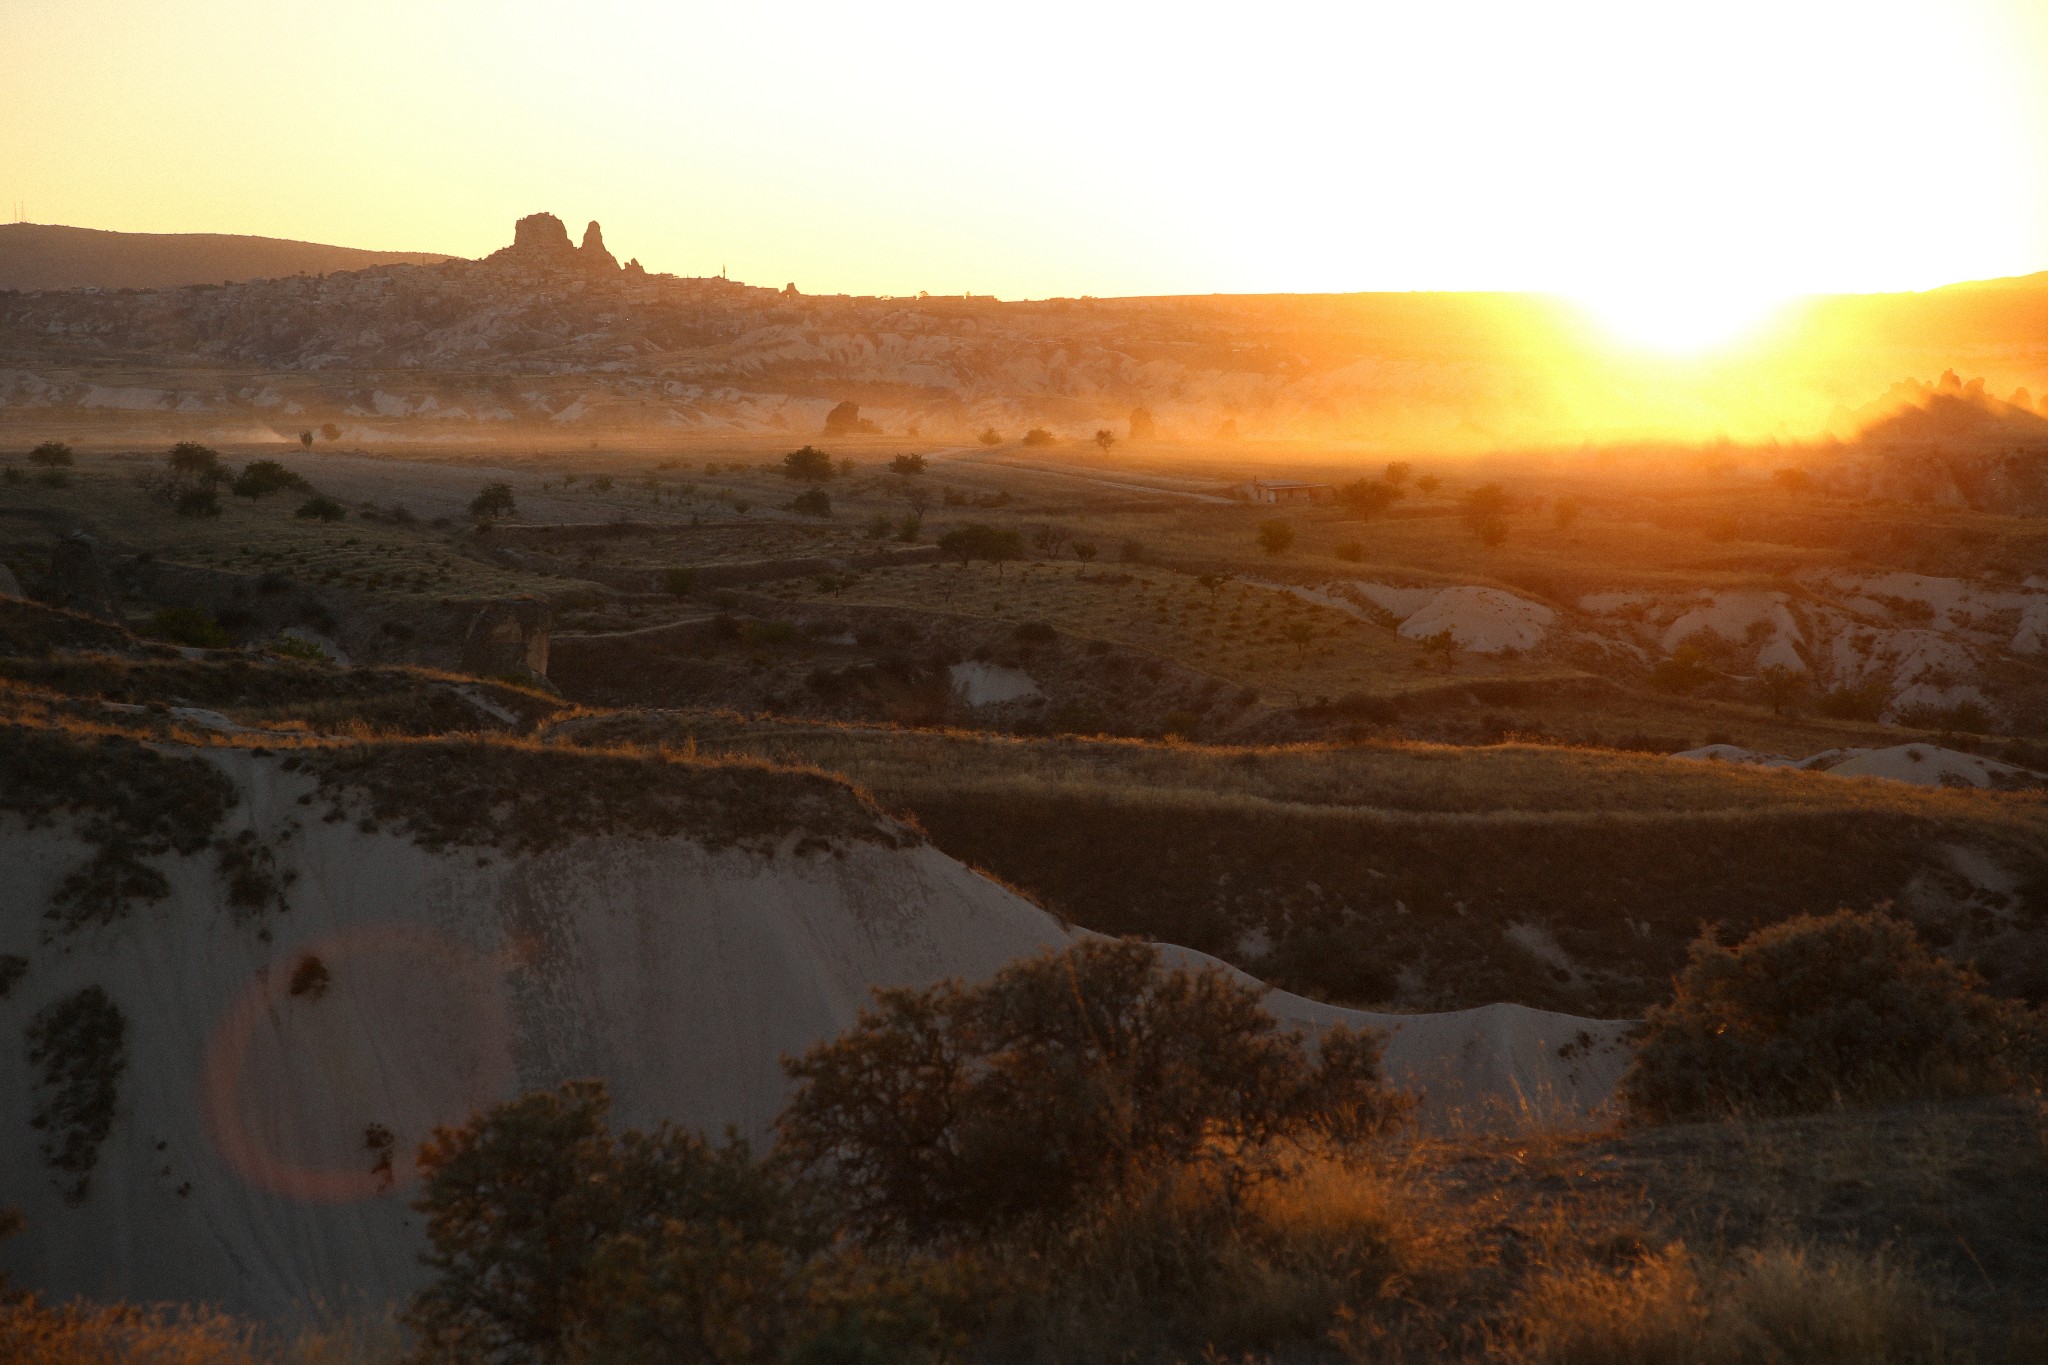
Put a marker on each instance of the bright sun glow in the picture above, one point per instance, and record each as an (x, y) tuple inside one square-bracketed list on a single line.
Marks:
[(1683, 320)]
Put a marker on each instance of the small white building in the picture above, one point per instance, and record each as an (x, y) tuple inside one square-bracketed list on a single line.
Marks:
[(1284, 490)]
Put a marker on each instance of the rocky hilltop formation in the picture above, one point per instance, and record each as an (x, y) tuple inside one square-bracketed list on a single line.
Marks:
[(547, 331), (540, 241)]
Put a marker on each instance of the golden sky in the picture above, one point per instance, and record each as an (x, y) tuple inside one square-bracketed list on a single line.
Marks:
[(1662, 159)]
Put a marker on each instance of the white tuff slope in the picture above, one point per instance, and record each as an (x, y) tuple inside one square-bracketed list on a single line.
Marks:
[(237, 1171)]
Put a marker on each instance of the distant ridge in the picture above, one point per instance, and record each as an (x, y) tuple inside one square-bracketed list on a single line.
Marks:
[(44, 256)]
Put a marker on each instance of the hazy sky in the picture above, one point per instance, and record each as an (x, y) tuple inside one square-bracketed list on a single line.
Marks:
[(1716, 150)]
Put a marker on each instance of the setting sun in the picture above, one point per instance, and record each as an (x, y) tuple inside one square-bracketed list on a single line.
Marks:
[(1679, 320)]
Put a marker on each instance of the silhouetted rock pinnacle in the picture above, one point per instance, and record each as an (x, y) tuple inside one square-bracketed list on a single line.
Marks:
[(594, 253)]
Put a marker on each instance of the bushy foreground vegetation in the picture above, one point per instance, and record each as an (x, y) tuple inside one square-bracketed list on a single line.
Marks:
[(1816, 1011), (960, 1157), (1096, 1157)]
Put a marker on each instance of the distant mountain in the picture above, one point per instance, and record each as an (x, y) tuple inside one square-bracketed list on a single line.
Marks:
[(43, 256)]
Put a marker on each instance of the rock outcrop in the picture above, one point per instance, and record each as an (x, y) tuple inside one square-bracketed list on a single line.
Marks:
[(593, 255)]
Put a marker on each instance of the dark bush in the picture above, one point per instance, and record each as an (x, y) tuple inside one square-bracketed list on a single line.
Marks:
[(52, 455), (192, 461), (812, 502), (189, 626), (78, 1046), (809, 465), (320, 507), (550, 1236), (261, 478), (494, 501), (907, 464), (1039, 436), (198, 502), (1817, 1011), (1062, 1079)]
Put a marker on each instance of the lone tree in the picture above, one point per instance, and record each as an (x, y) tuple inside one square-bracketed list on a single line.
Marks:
[(306, 439), (1275, 536), (809, 465), (1485, 513), (990, 437), (329, 432), (51, 455), (1368, 498), (1105, 438), (495, 501), (1302, 634), (193, 463), (977, 540), (907, 464), (1143, 426), (1038, 436)]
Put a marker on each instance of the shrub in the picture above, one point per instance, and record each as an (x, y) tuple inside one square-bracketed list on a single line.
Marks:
[(990, 437), (261, 478), (79, 1046), (1485, 513), (493, 501), (536, 1213), (1367, 498), (191, 461), (1775, 1303), (192, 626), (907, 464), (86, 1333), (1039, 436), (1275, 536), (809, 465), (812, 502), (198, 502), (320, 507), (52, 455), (1820, 1010), (978, 540), (1060, 1080)]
